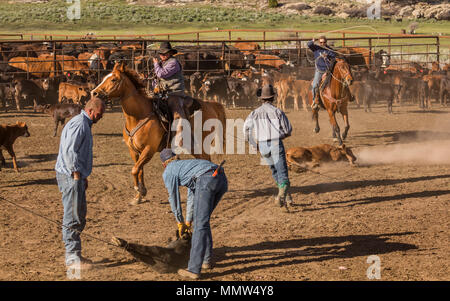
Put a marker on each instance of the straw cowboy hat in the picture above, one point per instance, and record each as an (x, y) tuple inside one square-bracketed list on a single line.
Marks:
[(165, 48)]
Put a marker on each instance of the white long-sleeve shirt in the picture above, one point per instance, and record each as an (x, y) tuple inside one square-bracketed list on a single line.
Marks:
[(266, 123)]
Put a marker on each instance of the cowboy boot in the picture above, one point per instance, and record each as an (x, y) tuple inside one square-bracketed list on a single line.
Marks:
[(289, 201), (281, 197)]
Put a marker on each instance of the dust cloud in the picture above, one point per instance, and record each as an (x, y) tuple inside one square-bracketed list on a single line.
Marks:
[(428, 152)]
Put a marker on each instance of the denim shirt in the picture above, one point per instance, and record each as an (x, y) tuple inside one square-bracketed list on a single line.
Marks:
[(184, 173), (75, 147), (321, 64)]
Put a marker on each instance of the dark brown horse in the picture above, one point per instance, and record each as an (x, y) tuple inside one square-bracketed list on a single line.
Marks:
[(335, 97), (143, 131)]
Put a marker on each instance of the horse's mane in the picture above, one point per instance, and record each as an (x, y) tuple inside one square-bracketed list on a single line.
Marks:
[(136, 80)]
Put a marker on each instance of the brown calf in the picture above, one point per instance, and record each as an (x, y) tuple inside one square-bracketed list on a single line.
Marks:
[(8, 134), (60, 112), (74, 92), (319, 153), (300, 89)]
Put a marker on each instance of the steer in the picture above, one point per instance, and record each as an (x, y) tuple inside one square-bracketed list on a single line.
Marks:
[(8, 134), (29, 90), (60, 112), (215, 87), (78, 94)]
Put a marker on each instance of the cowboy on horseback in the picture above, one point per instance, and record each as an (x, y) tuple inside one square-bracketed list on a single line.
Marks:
[(323, 57), (171, 81)]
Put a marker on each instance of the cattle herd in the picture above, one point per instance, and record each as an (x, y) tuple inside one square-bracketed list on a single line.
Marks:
[(49, 73)]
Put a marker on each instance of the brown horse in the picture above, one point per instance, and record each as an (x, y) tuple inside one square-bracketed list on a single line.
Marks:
[(143, 131), (335, 97)]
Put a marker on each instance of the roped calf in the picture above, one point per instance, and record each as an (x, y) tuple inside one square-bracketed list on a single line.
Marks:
[(316, 154)]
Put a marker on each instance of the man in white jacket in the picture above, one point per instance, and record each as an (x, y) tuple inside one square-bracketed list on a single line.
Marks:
[(264, 129)]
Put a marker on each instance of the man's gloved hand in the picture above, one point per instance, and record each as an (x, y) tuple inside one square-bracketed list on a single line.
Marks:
[(189, 227), (182, 228)]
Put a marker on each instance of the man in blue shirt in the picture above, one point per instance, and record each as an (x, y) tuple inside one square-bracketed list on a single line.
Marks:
[(206, 183), (264, 129), (73, 167), (323, 56)]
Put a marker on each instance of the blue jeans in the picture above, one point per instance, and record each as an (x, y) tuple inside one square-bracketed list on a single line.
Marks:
[(208, 192), (274, 155), (74, 202), (316, 81)]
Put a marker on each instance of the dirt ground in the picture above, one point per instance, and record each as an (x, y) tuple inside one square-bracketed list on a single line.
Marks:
[(394, 204)]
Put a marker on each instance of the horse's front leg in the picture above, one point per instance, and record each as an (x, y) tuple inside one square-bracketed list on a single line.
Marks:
[(344, 113), (315, 116), (138, 173), (335, 127)]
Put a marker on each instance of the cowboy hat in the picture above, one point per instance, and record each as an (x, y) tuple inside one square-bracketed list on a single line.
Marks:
[(266, 92), (165, 47)]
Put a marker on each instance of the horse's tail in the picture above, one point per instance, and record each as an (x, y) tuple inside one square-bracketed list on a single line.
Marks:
[(219, 111), (221, 115)]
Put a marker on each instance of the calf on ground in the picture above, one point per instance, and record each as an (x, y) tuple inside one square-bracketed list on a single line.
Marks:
[(8, 135), (312, 156), (60, 112)]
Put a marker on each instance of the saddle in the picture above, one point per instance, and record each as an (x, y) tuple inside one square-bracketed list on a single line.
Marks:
[(161, 107)]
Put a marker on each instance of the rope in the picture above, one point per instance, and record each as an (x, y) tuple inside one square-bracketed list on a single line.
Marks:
[(316, 172), (58, 223)]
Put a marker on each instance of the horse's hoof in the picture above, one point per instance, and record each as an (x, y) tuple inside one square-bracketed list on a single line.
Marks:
[(316, 130), (118, 241), (136, 201)]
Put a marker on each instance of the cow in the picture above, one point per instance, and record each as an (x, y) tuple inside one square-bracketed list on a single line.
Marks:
[(60, 112), (215, 87), (8, 135), (247, 47), (416, 89), (367, 91), (195, 84), (270, 61), (6, 92), (67, 63), (312, 156), (76, 93), (300, 89), (282, 84), (444, 90), (30, 91), (24, 50), (37, 67), (433, 82)]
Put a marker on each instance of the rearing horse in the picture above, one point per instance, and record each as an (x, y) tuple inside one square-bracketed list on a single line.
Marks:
[(143, 131), (335, 97)]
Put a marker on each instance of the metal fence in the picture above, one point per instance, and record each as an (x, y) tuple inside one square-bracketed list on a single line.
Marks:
[(402, 49)]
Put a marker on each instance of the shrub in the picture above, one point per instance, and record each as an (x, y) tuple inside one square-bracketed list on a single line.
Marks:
[(273, 3)]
